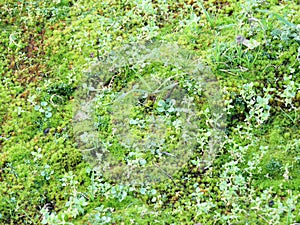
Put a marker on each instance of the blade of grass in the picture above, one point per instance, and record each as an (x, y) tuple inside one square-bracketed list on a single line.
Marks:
[(208, 16)]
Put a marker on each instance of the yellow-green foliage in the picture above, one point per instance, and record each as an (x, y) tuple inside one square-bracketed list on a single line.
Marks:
[(46, 47)]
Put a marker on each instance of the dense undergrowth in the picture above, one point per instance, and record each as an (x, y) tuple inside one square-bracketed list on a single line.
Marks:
[(252, 47)]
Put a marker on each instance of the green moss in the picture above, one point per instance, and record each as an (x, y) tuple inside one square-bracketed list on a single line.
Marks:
[(45, 47)]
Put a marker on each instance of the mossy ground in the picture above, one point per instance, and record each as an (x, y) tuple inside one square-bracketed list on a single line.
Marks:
[(45, 48)]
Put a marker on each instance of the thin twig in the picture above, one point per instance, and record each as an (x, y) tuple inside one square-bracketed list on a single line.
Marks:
[(164, 172)]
